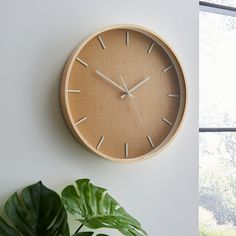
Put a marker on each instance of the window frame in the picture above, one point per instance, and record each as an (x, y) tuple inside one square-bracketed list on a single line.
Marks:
[(217, 8)]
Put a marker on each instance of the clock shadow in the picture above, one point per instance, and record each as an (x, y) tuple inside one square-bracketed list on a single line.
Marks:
[(63, 135), (47, 76)]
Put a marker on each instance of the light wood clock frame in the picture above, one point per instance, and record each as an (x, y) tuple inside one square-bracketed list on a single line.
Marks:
[(123, 93)]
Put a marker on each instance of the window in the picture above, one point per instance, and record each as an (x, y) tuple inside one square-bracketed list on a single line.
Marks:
[(217, 198)]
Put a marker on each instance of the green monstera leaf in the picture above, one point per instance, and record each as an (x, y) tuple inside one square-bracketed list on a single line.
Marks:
[(37, 212), (95, 208)]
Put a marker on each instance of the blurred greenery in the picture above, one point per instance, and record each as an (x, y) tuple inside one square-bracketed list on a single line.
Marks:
[(208, 225), (217, 183), (216, 232), (218, 196)]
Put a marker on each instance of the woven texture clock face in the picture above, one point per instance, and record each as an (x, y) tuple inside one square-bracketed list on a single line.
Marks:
[(123, 93)]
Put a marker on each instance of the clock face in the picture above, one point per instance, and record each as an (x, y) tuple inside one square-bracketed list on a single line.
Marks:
[(123, 93)]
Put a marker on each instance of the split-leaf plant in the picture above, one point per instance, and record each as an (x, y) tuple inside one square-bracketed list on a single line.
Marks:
[(39, 211)]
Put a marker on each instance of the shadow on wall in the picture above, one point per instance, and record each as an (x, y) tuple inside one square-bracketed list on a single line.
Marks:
[(52, 128)]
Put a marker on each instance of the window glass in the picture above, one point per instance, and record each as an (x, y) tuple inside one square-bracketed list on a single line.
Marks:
[(217, 198), (217, 70)]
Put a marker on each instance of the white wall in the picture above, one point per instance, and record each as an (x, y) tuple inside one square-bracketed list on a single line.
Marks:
[(36, 38)]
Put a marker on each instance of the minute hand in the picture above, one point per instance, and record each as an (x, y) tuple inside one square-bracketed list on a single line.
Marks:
[(136, 86), (102, 76)]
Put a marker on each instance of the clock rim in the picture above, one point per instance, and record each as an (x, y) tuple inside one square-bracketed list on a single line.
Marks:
[(183, 91)]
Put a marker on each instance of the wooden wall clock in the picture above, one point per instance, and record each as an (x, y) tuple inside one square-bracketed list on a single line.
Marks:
[(123, 93)]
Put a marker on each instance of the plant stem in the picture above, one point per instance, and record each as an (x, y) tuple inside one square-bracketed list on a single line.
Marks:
[(78, 229)]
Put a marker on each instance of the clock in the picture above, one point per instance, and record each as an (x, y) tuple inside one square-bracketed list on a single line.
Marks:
[(123, 93)]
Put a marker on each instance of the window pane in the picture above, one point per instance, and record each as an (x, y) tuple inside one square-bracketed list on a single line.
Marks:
[(217, 214), (217, 70), (231, 3)]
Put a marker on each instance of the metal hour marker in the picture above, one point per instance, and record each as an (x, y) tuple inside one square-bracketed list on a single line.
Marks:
[(81, 62), (150, 141), (101, 42), (126, 150), (100, 142), (127, 37), (151, 47), (167, 68), (173, 95), (81, 120), (167, 121), (73, 91)]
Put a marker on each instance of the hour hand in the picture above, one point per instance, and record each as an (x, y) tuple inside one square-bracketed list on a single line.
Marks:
[(104, 77), (136, 86)]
